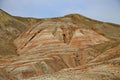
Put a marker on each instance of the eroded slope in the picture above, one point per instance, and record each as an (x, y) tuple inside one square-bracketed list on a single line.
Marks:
[(71, 47)]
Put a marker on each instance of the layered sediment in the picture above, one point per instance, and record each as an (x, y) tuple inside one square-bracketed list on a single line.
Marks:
[(71, 47)]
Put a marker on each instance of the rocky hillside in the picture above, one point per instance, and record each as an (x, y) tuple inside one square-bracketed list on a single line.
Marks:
[(71, 47)]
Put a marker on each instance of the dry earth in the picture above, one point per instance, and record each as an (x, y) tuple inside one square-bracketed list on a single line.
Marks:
[(71, 47)]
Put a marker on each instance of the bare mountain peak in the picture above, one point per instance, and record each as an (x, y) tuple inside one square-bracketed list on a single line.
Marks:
[(74, 15)]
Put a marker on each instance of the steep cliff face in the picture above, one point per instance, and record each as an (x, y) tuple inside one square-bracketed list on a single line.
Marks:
[(71, 47)]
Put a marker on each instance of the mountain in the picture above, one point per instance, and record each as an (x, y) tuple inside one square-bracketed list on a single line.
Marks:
[(71, 47)]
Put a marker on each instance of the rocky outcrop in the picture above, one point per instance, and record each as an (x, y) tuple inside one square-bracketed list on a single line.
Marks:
[(55, 36), (71, 47)]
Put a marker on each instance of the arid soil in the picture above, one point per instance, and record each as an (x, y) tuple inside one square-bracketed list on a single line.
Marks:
[(71, 47)]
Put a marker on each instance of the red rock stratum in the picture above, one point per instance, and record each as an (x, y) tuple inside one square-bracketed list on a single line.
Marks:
[(71, 47)]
